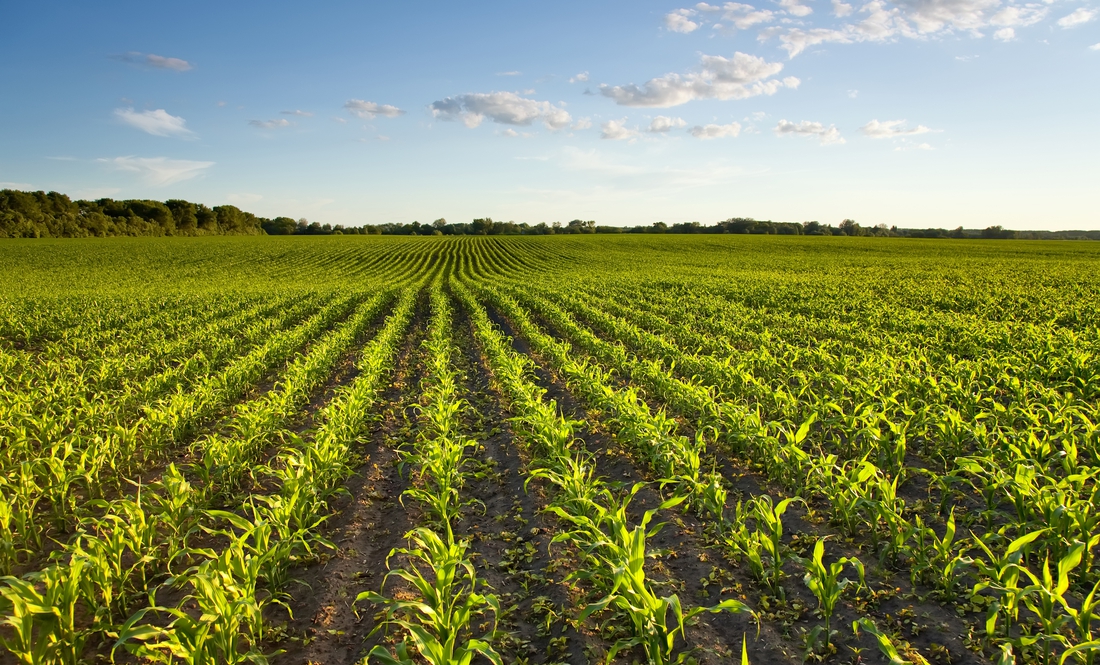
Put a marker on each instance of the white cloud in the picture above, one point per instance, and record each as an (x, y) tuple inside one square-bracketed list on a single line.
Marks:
[(506, 108), (744, 16), (935, 15), (616, 130), (795, 8), (511, 73), (16, 185), (891, 129), (797, 40), (916, 19), (716, 131), (300, 114), (156, 61), (827, 135), (1095, 47), (369, 110), (579, 78), (511, 133), (738, 77), (1017, 15), (159, 170), (737, 14), (582, 123), (852, 94), (841, 9), (663, 123), (270, 124), (680, 21), (1079, 16), (157, 123), (889, 20)]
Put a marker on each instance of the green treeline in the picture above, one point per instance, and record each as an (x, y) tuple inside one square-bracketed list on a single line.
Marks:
[(54, 215)]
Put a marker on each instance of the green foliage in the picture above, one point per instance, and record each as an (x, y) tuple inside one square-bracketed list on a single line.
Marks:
[(179, 418)]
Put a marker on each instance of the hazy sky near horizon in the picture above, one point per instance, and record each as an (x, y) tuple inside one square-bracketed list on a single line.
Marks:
[(913, 113)]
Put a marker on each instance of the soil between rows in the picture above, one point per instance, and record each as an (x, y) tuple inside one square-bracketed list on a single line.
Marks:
[(896, 606), (366, 524)]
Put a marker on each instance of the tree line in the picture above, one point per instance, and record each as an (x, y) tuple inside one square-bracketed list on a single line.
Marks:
[(54, 215)]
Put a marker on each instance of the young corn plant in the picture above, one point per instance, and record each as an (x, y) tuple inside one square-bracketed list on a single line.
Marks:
[(44, 622), (1047, 593), (1002, 576), (885, 644), (935, 559), (225, 589), (448, 599), (657, 622), (827, 586), (769, 538), (1082, 618)]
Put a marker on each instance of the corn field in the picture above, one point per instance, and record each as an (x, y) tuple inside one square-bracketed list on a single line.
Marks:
[(633, 449)]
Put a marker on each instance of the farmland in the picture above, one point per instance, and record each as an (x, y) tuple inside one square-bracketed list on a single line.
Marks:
[(549, 449)]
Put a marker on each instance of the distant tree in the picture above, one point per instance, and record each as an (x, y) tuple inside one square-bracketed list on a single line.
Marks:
[(738, 225), (997, 231), (581, 226), (686, 227), (849, 227), (280, 226)]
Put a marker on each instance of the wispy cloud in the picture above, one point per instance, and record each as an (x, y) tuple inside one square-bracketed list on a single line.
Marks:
[(270, 124), (158, 170), (616, 130), (826, 135), (300, 114), (156, 61), (157, 123), (579, 78), (370, 110), (663, 124), (680, 21), (718, 77), (511, 73), (506, 108), (1080, 16), (25, 186), (716, 131), (889, 129)]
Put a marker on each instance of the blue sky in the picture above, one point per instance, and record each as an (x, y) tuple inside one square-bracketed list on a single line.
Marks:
[(917, 113)]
